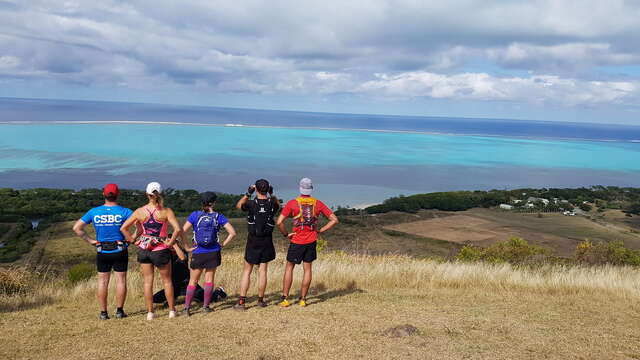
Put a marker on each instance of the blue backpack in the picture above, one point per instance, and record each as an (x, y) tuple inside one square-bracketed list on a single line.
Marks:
[(208, 227)]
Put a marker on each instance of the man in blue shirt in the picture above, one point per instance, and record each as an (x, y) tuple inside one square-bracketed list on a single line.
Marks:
[(111, 247)]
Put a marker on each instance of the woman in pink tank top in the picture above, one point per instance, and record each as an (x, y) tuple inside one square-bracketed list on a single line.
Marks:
[(151, 223)]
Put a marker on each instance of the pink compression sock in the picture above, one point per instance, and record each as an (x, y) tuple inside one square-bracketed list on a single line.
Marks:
[(208, 291), (189, 296)]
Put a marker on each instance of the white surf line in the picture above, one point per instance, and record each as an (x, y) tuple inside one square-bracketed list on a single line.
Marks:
[(416, 132)]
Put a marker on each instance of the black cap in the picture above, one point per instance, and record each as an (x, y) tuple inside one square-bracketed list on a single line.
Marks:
[(262, 186), (208, 197)]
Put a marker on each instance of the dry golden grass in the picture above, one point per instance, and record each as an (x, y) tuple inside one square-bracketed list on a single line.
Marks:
[(457, 311)]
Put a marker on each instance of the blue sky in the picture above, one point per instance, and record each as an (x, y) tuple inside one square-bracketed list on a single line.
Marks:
[(546, 60)]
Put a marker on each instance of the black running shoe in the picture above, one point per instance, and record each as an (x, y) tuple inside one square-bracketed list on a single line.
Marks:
[(121, 315), (104, 315), (262, 303), (207, 309), (186, 312)]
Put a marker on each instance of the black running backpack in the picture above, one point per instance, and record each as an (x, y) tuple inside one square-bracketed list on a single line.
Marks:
[(260, 219)]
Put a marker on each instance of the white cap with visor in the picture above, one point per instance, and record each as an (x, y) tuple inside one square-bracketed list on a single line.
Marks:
[(306, 186), (154, 186)]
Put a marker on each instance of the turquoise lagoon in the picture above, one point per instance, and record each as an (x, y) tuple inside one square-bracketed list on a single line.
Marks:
[(349, 167)]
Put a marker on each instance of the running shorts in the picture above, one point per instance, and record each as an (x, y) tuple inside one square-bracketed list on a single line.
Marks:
[(118, 261), (157, 258), (208, 260), (302, 252), (259, 250)]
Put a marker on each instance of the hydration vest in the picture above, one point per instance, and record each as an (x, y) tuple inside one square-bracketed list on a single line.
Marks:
[(260, 223), (307, 215), (207, 229)]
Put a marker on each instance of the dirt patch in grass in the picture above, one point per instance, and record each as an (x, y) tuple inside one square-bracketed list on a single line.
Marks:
[(469, 229), (455, 228), (400, 331)]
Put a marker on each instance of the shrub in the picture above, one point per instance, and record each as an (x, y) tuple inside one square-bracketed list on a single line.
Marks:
[(80, 272), (469, 254), (13, 280), (600, 253), (515, 251), (320, 244), (585, 207), (633, 208)]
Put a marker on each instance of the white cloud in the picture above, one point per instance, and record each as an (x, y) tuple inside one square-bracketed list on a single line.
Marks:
[(481, 86), (8, 62), (398, 48), (563, 56)]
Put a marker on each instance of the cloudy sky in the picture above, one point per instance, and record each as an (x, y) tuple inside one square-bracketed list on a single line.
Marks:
[(548, 60)]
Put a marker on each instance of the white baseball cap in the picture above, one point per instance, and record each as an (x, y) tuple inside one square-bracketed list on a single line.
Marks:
[(306, 186), (154, 186)]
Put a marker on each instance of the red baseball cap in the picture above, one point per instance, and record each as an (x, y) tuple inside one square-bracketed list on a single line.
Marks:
[(111, 188)]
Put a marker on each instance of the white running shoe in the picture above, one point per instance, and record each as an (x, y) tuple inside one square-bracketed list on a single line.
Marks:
[(150, 316), (172, 314)]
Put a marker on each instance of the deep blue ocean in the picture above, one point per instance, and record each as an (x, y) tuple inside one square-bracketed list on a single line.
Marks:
[(353, 159)]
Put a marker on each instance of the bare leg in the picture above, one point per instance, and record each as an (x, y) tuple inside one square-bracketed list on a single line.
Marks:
[(246, 278), (210, 275), (288, 278), (262, 279), (165, 273), (103, 289), (147, 274), (194, 276), (121, 288), (306, 280)]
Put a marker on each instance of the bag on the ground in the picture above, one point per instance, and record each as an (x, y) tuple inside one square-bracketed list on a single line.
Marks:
[(307, 215), (261, 222), (207, 229)]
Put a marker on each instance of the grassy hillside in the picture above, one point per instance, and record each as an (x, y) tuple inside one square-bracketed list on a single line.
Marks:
[(390, 307), (362, 306)]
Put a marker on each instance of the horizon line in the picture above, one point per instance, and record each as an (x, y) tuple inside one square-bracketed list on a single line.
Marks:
[(313, 112)]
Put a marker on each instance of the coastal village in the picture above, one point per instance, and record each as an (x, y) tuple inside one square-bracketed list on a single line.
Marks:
[(536, 204)]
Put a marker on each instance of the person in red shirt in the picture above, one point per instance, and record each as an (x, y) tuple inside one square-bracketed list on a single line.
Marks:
[(305, 211)]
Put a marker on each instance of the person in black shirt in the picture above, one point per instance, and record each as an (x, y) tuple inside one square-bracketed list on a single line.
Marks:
[(180, 279), (260, 249)]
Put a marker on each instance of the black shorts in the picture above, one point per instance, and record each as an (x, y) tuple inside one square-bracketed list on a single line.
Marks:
[(259, 250), (302, 252), (118, 261), (208, 260), (157, 258)]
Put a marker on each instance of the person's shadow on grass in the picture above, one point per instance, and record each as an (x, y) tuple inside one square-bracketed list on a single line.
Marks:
[(318, 293), (322, 297)]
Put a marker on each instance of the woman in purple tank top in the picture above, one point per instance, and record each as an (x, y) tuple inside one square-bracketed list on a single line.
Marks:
[(151, 223), (206, 249)]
